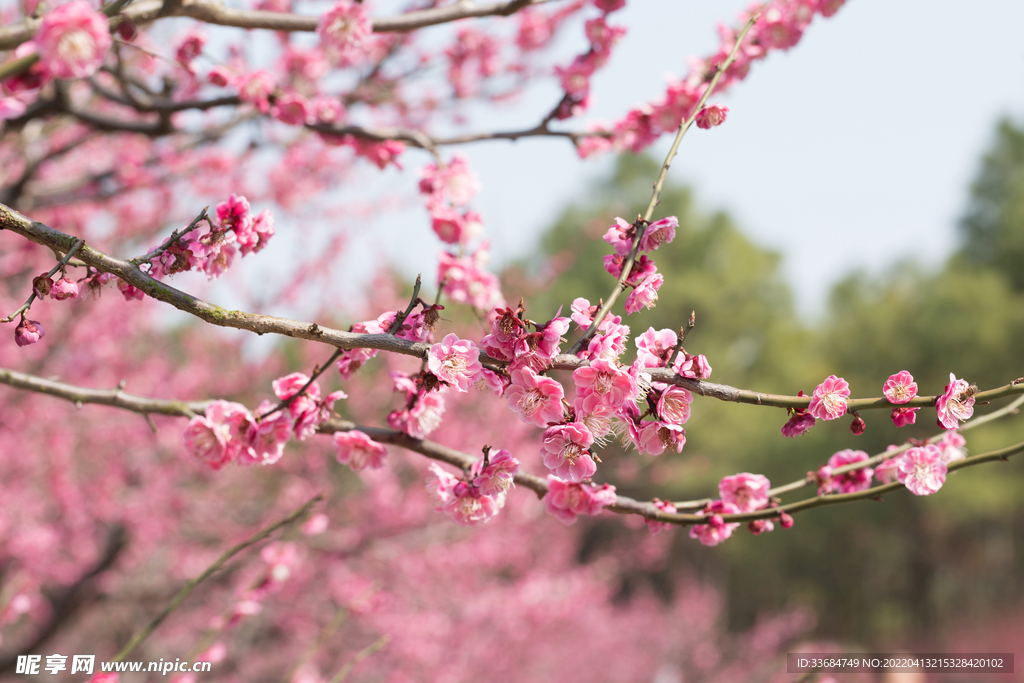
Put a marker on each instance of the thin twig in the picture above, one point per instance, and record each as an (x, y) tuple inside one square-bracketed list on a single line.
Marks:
[(375, 646), (32, 297), (221, 561), (175, 236), (641, 223), (683, 331)]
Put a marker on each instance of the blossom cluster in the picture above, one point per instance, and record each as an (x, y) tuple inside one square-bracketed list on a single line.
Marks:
[(643, 276), (480, 493), (228, 432), (829, 402)]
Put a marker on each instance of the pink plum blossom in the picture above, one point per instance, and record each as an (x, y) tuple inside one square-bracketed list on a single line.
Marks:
[(952, 445), (645, 294), (829, 399), (256, 88), (308, 411), (344, 28), (423, 418), (711, 116), (900, 388), (538, 400), (467, 506), (497, 476), (216, 438), (653, 525), (901, 417), (849, 482), (357, 450), (674, 405), (439, 484), (746, 491), (602, 382), (72, 40), (583, 313), (922, 470), (292, 109), (956, 404), (28, 332), (265, 439), (566, 500), (64, 289), (716, 530), (565, 451), (659, 232), (654, 437), (655, 347), (11, 108), (454, 361), (620, 236)]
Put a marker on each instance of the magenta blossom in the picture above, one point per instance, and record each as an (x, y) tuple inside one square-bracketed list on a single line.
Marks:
[(28, 332), (900, 388), (538, 400), (849, 482), (217, 438), (716, 530), (922, 470), (956, 404), (454, 361), (645, 294), (358, 451), (711, 116), (659, 232), (72, 40), (901, 417), (565, 451), (799, 422), (498, 476), (566, 500), (746, 491), (620, 236), (653, 525), (829, 399)]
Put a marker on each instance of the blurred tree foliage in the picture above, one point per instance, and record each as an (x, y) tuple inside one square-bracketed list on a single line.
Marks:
[(896, 573)]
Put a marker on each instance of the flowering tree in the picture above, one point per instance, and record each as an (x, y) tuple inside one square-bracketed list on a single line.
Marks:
[(121, 121)]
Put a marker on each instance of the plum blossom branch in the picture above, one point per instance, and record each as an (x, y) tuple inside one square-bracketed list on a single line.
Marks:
[(642, 221), (213, 12), (266, 324), (175, 236), (32, 297), (539, 485), (212, 569), (1009, 409)]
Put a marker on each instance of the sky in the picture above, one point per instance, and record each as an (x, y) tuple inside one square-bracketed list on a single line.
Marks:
[(854, 150)]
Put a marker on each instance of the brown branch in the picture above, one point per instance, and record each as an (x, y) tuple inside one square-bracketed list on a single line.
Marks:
[(267, 324), (463, 461), (213, 12), (212, 569)]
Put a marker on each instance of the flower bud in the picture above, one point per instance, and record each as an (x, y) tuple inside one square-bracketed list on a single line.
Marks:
[(786, 520), (126, 31), (64, 289), (28, 332), (857, 426)]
